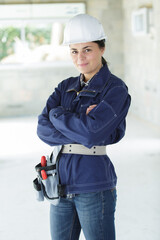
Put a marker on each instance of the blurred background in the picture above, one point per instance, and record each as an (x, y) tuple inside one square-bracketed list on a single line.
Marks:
[(32, 62)]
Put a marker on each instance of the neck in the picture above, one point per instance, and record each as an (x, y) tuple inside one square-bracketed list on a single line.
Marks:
[(87, 77)]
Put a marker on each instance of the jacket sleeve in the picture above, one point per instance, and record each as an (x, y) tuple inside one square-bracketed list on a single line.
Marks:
[(46, 130), (103, 121)]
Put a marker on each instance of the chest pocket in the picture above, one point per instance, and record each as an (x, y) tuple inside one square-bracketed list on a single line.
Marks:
[(79, 101)]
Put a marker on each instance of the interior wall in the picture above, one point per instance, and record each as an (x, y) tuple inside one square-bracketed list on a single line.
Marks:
[(141, 61)]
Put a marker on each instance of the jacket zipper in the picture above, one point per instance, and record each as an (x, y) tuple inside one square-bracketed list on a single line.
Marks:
[(78, 92)]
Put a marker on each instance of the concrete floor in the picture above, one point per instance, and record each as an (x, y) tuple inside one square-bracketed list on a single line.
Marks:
[(137, 162)]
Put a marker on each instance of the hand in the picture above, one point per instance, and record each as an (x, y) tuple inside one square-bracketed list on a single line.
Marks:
[(90, 108)]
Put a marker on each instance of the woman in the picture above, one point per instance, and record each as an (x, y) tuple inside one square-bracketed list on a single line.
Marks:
[(84, 114)]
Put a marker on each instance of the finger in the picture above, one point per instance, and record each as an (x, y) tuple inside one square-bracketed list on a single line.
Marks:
[(88, 110), (92, 106)]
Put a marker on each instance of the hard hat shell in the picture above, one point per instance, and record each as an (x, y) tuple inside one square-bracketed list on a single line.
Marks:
[(83, 28)]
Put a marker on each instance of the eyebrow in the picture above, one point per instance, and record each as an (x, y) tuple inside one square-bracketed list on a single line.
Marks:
[(82, 48)]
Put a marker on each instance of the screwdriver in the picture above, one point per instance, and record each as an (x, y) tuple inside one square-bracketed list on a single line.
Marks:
[(43, 164), (43, 161), (43, 174)]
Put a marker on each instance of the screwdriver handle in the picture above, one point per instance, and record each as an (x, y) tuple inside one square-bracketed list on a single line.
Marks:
[(43, 174), (43, 161)]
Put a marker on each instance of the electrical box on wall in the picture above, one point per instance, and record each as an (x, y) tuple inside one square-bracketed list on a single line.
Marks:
[(140, 21)]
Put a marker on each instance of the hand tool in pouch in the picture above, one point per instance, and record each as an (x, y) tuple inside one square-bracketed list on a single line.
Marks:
[(43, 161), (43, 164)]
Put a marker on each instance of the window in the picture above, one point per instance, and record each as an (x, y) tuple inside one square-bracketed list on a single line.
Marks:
[(25, 43), (33, 33)]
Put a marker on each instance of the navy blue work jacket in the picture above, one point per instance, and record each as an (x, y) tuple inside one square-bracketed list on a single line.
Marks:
[(64, 121)]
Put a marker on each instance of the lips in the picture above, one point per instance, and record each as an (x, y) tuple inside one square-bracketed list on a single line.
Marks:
[(82, 64)]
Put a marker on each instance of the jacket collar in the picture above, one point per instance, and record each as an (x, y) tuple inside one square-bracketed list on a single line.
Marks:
[(100, 79), (97, 83)]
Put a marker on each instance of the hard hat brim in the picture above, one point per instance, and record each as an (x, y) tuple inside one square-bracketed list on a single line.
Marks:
[(65, 43)]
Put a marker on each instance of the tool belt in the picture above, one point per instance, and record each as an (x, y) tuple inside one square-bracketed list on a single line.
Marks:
[(49, 187), (80, 149), (47, 184)]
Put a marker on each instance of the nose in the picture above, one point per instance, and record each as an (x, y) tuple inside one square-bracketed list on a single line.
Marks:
[(81, 56)]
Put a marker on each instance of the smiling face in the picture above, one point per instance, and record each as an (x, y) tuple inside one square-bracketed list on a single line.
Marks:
[(87, 57)]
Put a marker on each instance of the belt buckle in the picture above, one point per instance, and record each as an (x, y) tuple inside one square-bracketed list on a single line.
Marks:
[(70, 195)]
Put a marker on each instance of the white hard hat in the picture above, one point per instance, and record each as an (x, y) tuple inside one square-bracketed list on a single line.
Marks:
[(83, 28)]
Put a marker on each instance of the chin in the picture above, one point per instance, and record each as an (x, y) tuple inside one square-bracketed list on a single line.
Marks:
[(81, 70)]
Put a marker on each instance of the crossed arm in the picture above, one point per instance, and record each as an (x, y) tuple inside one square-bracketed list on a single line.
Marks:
[(57, 126)]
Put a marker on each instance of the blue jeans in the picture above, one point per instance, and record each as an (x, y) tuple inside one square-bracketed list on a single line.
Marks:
[(93, 212)]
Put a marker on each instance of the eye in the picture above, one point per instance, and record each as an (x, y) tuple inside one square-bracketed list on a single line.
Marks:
[(87, 50), (74, 52)]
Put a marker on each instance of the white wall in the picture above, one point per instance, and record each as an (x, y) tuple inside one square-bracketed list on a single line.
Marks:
[(141, 61), (25, 89)]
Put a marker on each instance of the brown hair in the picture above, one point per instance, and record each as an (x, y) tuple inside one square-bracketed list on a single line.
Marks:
[(101, 44)]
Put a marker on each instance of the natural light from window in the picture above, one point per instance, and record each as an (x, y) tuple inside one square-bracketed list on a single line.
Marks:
[(33, 33)]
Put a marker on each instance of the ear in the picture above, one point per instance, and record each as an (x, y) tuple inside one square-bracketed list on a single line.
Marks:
[(102, 50)]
